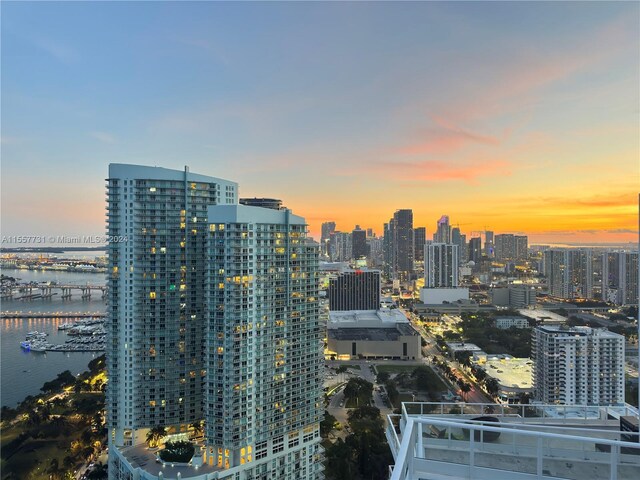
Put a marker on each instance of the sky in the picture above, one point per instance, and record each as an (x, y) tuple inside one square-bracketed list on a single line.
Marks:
[(511, 117)]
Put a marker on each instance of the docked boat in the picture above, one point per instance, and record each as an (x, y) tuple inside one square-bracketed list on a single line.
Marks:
[(25, 345)]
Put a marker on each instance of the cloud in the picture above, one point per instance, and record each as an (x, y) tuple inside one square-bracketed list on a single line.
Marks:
[(436, 170), (446, 138), (103, 136)]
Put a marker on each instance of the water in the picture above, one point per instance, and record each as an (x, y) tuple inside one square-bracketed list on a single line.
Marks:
[(23, 373)]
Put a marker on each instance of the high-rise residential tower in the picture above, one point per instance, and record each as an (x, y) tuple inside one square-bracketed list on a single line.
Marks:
[(212, 316), (156, 311), (620, 277), (440, 265), (579, 365), (569, 273), (264, 359)]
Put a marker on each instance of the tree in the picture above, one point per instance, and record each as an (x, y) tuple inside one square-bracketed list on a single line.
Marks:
[(382, 377), (198, 428), (341, 369), (465, 388), (155, 435), (492, 386), (326, 425)]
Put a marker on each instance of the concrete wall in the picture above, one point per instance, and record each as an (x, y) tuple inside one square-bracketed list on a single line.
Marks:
[(383, 349)]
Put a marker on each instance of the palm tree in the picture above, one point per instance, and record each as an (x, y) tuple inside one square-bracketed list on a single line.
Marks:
[(198, 428), (54, 469), (154, 435)]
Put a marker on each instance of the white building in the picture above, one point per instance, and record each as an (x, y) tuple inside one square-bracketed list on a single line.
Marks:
[(440, 265), (454, 441), (157, 218), (579, 365), (505, 323), (213, 316)]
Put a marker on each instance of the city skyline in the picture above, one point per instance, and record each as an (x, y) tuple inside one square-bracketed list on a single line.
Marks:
[(522, 118)]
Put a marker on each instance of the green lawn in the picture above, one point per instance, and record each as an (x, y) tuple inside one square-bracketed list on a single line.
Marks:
[(396, 368)]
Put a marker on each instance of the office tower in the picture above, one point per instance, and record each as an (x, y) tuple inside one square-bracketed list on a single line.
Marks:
[(569, 273), (475, 249), (156, 308), (358, 243), (403, 243), (327, 229), (579, 365), (272, 203), (419, 239), (443, 231), (514, 296), (355, 290), (340, 246), (522, 247), (488, 244), (440, 265), (264, 365), (370, 233), (620, 277)]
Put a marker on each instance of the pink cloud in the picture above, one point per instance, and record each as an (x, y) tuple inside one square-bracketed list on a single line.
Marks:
[(436, 170), (446, 139)]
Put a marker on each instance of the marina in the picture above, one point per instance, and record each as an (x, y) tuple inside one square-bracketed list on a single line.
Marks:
[(87, 336)]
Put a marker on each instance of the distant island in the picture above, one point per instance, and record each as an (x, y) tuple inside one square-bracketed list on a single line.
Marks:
[(46, 249)]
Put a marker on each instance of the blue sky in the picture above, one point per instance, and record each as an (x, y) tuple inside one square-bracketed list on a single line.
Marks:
[(347, 111)]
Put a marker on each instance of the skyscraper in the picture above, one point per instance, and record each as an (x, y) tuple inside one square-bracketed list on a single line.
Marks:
[(212, 316), (264, 363), (440, 265), (358, 243), (327, 229), (579, 365), (443, 231), (488, 244), (403, 243), (620, 277), (569, 273), (156, 309), (419, 239), (354, 290), (475, 249)]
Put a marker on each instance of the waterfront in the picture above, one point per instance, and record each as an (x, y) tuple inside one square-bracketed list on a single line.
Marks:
[(23, 373)]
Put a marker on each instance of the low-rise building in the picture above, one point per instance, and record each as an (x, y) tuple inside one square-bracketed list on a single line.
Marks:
[(514, 375), (504, 323), (375, 334)]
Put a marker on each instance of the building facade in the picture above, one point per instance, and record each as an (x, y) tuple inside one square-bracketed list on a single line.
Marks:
[(620, 277), (354, 290), (419, 239), (579, 365), (358, 243), (264, 362), (212, 317), (156, 310), (569, 273), (440, 265)]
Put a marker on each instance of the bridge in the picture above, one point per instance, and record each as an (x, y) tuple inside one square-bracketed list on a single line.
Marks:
[(30, 291)]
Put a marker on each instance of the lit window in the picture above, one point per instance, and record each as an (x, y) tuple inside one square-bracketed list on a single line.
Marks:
[(152, 295), (152, 189)]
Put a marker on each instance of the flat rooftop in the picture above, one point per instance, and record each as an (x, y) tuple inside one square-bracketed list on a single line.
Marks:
[(463, 347), (384, 318), (540, 315), (141, 457), (510, 372), (372, 334)]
